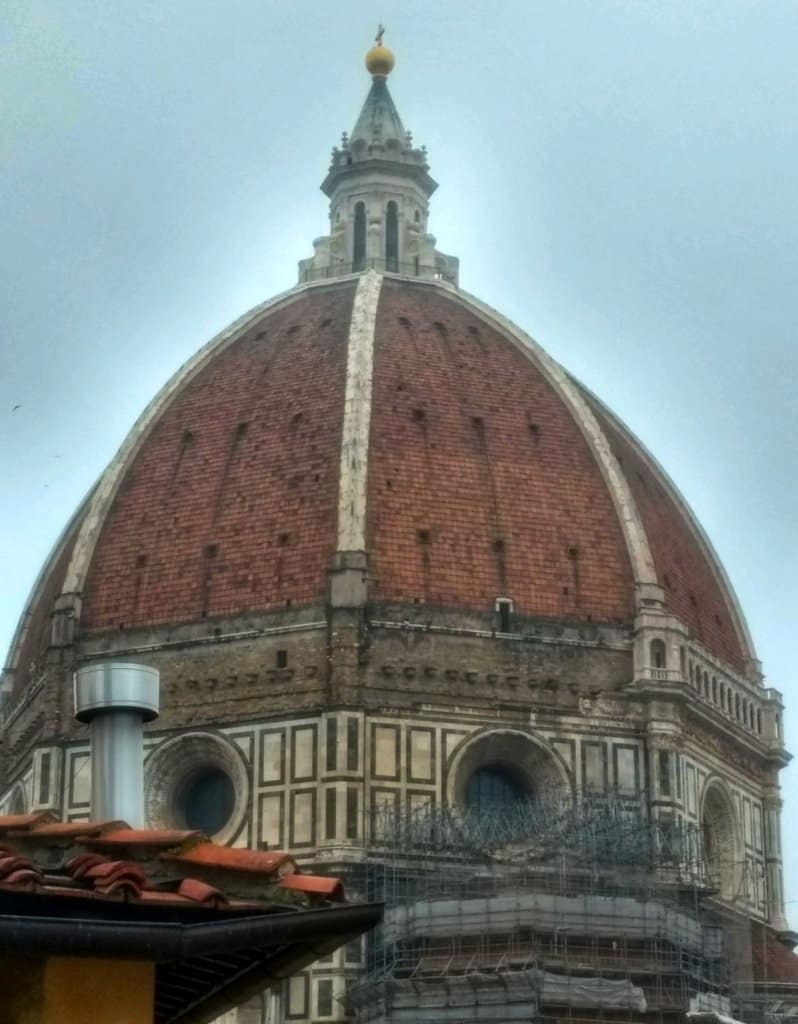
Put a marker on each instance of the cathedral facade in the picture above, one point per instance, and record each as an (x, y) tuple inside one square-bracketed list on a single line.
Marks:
[(393, 563)]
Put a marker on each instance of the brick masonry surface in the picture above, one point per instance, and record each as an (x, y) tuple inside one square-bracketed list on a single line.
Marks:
[(231, 502), (480, 483), (692, 591)]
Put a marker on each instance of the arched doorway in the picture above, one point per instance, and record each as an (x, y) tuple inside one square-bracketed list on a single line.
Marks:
[(719, 840)]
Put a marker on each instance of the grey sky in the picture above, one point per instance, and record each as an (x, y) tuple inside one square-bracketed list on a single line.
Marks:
[(617, 177)]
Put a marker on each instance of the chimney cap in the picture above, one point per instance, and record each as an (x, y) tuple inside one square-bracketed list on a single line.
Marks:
[(116, 685)]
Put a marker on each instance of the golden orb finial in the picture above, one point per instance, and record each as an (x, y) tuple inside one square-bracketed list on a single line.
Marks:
[(379, 59)]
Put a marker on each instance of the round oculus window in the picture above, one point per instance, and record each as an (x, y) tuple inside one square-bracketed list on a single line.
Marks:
[(197, 780), (493, 787), (207, 800)]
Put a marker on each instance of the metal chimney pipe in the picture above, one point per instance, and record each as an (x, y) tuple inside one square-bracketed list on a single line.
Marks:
[(116, 698)]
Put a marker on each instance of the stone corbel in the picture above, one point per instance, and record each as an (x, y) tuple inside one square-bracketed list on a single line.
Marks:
[(348, 580), (65, 619)]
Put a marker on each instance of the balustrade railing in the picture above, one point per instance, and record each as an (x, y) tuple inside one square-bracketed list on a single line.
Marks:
[(729, 697), (384, 266), (735, 699)]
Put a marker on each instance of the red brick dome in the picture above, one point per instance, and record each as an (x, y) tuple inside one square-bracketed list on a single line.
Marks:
[(403, 418)]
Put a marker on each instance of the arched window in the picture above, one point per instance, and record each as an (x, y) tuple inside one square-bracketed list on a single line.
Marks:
[(714, 690), (392, 237), (503, 767), (692, 675), (759, 722), (737, 706), (657, 654), (493, 787), (359, 252), (718, 832), (706, 685)]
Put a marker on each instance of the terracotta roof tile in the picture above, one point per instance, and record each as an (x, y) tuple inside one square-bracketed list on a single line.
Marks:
[(199, 892), (78, 866), (315, 885), (23, 878), (165, 898), (154, 897), (144, 837), (22, 822), (57, 890), (124, 887), (73, 829), (227, 858), (33, 858), (109, 871), (10, 863)]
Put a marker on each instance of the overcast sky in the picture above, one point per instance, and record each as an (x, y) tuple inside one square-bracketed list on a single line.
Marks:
[(617, 177)]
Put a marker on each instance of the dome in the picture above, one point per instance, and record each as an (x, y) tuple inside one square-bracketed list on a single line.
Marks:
[(393, 563), (444, 443)]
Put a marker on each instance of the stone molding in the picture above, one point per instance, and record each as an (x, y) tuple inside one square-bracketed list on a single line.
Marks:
[(357, 415), (703, 541), (647, 589), (108, 484)]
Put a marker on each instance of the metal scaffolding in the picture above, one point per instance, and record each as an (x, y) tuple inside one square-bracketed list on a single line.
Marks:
[(578, 911)]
